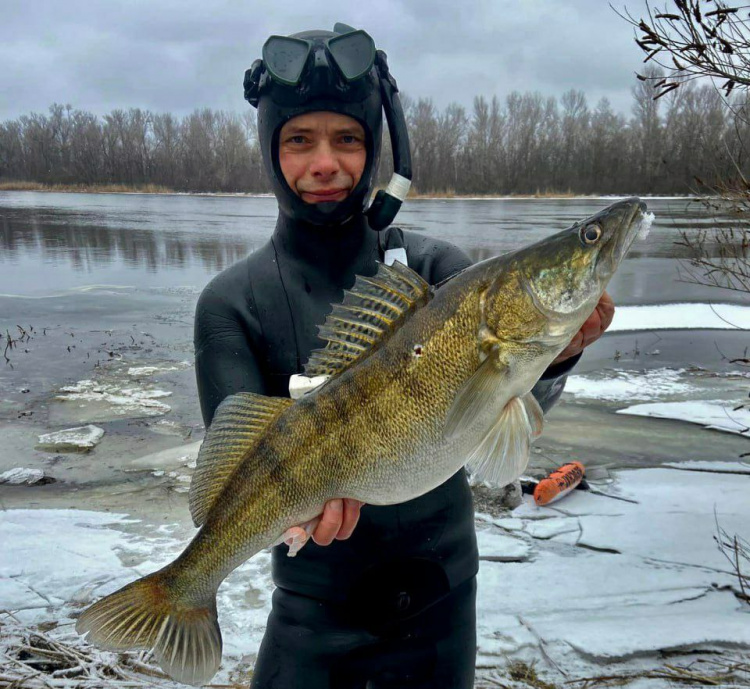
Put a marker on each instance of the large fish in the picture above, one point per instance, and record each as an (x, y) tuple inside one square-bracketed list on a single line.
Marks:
[(421, 381)]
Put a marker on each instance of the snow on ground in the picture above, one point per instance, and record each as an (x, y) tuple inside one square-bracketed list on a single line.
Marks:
[(681, 316), (716, 415), (587, 580)]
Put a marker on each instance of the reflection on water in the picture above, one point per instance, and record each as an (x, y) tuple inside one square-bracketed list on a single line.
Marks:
[(60, 241), (86, 246)]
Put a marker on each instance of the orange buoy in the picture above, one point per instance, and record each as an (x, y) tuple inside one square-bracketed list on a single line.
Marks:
[(560, 482)]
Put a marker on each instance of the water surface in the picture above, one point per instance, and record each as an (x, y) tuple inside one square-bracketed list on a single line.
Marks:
[(56, 242)]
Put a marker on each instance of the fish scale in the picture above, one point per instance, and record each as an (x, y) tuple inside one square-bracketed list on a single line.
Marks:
[(420, 382)]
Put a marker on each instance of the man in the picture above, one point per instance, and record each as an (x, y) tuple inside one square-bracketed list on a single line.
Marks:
[(389, 603)]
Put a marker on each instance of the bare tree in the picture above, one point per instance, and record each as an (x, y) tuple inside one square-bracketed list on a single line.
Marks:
[(690, 39)]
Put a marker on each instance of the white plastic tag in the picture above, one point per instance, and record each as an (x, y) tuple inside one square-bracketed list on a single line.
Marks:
[(300, 385), (393, 255)]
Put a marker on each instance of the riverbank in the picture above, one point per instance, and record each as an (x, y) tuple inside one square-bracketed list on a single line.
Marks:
[(11, 185)]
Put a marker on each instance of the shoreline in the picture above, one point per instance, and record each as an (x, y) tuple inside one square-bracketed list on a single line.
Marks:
[(159, 190)]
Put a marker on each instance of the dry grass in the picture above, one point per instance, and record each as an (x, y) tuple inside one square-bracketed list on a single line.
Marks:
[(12, 185), (450, 194), (704, 673), (711, 672)]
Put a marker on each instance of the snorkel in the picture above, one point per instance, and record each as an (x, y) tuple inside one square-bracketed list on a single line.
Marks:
[(339, 72)]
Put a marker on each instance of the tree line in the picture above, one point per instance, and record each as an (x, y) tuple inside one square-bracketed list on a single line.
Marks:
[(524, 144)]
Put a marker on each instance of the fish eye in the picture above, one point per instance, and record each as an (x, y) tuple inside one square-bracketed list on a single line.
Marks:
[(591, 234)]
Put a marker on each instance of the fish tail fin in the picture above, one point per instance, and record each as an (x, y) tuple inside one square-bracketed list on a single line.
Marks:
[(153, 613)]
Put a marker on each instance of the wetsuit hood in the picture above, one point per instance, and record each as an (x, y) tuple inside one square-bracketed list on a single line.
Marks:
[(322, 85)]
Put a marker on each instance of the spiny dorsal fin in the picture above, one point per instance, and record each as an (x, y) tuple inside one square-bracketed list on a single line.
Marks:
[(238, 423), (370, 312)]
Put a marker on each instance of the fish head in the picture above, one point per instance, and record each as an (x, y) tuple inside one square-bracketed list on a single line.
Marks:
[(546, 291)]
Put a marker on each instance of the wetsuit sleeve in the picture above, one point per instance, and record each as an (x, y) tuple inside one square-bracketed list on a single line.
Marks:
[(448, 262), (225, 362), (552, 383)]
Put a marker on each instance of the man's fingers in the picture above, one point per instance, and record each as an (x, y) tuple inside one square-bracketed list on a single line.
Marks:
[(606, 309), (351, 517), (330, 522), (591, 330), (295, 538)]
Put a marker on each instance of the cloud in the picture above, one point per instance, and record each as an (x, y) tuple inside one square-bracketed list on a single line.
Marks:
[(170, 56)]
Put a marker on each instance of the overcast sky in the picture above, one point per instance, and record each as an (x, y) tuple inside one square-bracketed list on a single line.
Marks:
[(178, 55)]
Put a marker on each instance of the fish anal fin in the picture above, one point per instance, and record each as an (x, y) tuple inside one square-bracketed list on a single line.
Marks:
[(373, 309), (501, 457), (237, 424)]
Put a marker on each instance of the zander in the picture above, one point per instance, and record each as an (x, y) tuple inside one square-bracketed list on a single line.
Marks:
[(420, 382)]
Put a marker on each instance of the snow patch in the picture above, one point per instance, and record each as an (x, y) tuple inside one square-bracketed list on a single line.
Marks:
[(712, 414), (681, 316)]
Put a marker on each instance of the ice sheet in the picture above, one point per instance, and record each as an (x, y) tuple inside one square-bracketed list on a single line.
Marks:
[(657, 592), (716, 415)]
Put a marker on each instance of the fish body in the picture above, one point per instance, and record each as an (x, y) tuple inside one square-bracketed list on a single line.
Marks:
[(421, 381)]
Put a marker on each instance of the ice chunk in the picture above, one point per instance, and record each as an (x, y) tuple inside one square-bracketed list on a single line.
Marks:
[(142, 371), (108, 401), (78, 439), (21, 475), (627, 385)]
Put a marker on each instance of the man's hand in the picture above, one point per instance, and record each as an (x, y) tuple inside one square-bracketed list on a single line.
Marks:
[(337, 522), (591, 330)]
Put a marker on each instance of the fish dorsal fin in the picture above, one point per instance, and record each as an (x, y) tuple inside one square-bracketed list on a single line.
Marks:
[(370, 312), (238, 423), (501, 457)]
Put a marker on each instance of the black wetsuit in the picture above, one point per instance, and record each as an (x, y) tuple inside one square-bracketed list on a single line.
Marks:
[(400, 592)]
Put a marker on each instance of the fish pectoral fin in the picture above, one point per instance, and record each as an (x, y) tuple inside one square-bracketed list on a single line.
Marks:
[(475, 395), (237, 425), (501, 457)]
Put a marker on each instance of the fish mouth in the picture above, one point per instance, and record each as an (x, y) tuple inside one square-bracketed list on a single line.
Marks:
[(630, 221)]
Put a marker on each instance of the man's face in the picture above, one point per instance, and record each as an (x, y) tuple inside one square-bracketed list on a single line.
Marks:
[(322, 155)]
